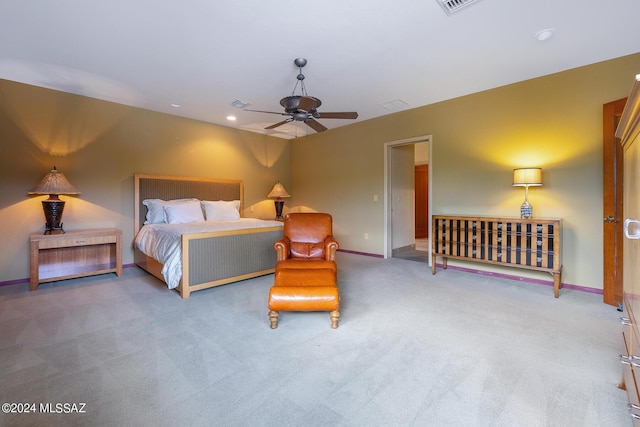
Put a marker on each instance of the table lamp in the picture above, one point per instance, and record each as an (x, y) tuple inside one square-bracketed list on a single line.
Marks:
[(54, 183), (527, 177), (278, 192)]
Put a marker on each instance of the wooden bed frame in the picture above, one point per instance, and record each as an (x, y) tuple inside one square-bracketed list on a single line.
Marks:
[(213, 258)]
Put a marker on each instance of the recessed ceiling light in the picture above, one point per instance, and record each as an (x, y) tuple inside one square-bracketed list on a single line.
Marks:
[(232, 118), (176, 105), (544, 34)]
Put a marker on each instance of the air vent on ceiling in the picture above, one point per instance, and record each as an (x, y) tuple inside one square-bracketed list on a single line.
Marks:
[(240, 104), (452, 6), (396, 104)]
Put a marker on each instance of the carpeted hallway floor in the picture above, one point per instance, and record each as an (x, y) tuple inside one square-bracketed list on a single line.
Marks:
[(412, 349), (419, 253)]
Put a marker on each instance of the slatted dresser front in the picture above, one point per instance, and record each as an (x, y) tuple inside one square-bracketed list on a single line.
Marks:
[(525, 243)]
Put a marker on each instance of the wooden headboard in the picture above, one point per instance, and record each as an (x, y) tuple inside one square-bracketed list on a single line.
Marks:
[(178, 187)]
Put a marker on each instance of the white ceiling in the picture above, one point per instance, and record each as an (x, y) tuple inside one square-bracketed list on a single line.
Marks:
[(363, 55)]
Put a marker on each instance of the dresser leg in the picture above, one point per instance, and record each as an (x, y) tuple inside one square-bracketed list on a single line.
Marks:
[(556, 284)]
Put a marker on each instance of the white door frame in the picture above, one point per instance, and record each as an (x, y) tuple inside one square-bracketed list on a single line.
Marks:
[(388, 146)]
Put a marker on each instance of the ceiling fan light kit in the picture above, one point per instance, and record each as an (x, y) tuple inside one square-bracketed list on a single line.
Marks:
[(304, 108)]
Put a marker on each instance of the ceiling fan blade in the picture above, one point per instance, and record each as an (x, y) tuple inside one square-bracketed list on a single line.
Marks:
[(268, 112), (343, 115), (317, 126), (279, 124), (306, 103)]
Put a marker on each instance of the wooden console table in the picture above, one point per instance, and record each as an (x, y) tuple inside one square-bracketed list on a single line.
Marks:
[(74, 254), (524, 243)]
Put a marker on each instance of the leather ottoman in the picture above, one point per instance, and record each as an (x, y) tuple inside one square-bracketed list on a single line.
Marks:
[(304, 290)]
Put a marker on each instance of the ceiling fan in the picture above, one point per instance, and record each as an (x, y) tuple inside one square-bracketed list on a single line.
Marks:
[(304, 108)]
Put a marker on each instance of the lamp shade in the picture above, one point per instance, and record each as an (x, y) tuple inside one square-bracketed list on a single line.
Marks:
[(54, 183), (278, 191), (526, 177)]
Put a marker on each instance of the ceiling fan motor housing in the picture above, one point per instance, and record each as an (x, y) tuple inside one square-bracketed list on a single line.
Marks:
[(291, 104)]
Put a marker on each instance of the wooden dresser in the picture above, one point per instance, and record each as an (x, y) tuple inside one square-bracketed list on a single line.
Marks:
[(525, 243), (627, 132)]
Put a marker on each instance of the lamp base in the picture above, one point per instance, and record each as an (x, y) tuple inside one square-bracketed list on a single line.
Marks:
[(279, 205), (53, 209), (53, 230), (526, 210)]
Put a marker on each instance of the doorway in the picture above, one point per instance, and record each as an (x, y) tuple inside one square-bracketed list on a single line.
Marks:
[(399, 198)]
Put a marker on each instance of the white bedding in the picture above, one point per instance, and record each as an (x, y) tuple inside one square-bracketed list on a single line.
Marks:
[(162, 242)]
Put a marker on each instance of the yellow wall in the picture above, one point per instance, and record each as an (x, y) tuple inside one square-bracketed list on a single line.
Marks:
[(554, 122), (99, 146)]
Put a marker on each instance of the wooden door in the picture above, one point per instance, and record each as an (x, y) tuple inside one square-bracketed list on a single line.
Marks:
[(612, 204), (422, 201)]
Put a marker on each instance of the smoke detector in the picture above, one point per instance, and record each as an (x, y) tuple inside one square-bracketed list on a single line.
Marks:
[(542, 35), (452, 6)]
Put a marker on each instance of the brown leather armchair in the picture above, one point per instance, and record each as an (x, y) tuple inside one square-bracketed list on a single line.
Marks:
[(306, 271), (307, 242)]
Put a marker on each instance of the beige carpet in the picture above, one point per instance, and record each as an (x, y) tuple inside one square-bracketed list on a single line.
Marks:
[(412, 349)]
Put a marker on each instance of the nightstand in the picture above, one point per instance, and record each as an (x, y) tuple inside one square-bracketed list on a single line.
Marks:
[(74, 254)]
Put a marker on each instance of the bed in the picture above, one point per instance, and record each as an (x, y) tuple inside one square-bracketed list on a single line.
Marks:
[(206, 257)]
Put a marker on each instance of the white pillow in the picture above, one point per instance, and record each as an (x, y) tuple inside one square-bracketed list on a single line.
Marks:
[(182, 213), (155, 209), (221, 210)]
